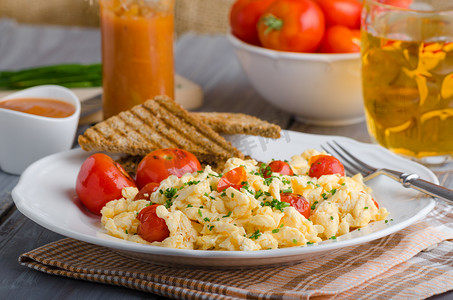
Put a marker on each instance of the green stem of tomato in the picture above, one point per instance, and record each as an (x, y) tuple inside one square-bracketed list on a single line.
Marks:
[(272, 23)]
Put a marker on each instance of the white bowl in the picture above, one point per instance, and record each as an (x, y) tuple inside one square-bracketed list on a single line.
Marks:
[(25, 138), (321, 89)]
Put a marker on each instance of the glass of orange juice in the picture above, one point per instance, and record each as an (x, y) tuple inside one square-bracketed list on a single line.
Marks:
[(137, 52), (407, 76)]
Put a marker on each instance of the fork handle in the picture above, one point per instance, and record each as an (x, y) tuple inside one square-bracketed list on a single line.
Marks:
[(413, 180)]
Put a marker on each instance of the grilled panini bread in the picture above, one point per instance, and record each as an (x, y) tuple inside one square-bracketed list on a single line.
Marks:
[(158, 123), (237, 123)]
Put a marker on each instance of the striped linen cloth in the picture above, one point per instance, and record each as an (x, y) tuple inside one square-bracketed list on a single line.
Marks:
[(414, 263)]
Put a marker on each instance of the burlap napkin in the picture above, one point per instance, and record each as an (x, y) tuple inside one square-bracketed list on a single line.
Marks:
[(404, 265)]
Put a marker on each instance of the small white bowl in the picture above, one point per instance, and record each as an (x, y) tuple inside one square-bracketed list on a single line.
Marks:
[(320, 89), (25, 138)]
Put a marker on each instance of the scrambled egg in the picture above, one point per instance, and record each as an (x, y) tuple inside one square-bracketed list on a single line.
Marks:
[(252, 218)]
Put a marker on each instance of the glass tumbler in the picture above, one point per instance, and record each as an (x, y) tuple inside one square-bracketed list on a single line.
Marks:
[(407, 76), (137, 52)]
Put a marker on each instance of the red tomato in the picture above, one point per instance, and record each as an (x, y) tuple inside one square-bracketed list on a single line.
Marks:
[(292, 25), (341, 12), (159, 164), (276, 166), (101, 180), (151, 227), (325, 165), (146, 191), (340, 39), (298, 202), (233, 178), (244, 16)]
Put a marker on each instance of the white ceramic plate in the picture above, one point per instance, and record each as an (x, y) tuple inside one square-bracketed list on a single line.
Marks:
[(45, 194)]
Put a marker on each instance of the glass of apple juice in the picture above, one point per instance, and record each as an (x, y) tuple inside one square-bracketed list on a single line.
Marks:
[(407, 77)]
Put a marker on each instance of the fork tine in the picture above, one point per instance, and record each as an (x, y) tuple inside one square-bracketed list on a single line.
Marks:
[(370, 168), (350, 160)]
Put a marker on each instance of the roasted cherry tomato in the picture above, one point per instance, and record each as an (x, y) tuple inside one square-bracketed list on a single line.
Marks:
[(325, 165), (292, 25), (151, 227), (244, 16), (233, 178), (341, 12), (159, 164), (340, 39), (101, 180), (276, 166), (298, 202), (146, 191)]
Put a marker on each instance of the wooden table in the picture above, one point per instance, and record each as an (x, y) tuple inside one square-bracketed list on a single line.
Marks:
[(207, 60)]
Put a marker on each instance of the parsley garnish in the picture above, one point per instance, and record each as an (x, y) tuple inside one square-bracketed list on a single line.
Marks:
[(255, 235), (333, 191), (314, 205), (206, 219), (310, 243), (366, 207), (275, 230), (127, 232), (280, 205), (227, 215), (199, 213), (288, 190), (210, 227), (189, 205), (294, 241), (193, 182), (169, 192), (331, 217), (258, 194), (324, 196), (333, 237)]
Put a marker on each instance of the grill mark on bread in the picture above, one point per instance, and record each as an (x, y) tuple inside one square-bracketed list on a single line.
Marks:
[(158, 123)]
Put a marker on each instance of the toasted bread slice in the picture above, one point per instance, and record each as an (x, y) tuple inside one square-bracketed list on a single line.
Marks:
[(158, 123), (237, 123)]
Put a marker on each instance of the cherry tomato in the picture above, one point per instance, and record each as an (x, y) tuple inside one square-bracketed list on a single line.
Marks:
[(276, 166), (341, 12), (292, 25), (298, 202), (233, 178), (151, 227), (244, 16), (340, 39), (159, 164), (146, 191), (101, 180), (325, 165)]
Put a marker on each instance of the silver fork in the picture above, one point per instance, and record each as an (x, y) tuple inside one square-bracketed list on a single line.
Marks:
[(353, 165)]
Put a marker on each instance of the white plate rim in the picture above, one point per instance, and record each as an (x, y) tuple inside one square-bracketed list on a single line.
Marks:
[(25, 208)]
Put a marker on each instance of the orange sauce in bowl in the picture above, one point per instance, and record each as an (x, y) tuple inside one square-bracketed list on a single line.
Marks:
[(44, 107)]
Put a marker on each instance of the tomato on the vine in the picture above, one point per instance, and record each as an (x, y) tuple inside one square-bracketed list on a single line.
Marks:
[(234, 178), (340, 39), (341, 12), (244, 16), (151, 227), (325, 165), (276, 166), (159, 164), (292, 25), (100, 180), (298, 202)]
